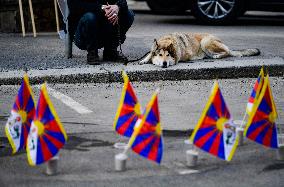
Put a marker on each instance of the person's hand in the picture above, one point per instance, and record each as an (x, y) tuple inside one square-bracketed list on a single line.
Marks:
[(111, 13)]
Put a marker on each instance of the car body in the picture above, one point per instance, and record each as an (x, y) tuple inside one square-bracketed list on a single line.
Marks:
[(214, 11)]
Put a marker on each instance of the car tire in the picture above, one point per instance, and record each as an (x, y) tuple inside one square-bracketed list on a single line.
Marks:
[(168, 6), (217, 12)]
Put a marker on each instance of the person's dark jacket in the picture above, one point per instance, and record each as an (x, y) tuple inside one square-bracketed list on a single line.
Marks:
[(77, 8)]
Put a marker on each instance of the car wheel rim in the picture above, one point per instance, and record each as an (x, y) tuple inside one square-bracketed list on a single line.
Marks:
[(216, 9)]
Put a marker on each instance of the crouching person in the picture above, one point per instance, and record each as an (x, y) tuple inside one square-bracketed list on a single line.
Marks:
[(96, 24)]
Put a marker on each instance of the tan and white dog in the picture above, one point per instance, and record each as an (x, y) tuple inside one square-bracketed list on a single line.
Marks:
[(176, 47)]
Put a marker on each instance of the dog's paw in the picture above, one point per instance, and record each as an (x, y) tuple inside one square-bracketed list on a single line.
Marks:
[(146, 60), (216, 56), (142, 62)]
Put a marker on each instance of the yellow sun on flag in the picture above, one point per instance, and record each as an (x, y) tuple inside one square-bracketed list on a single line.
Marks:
[(220, 123)]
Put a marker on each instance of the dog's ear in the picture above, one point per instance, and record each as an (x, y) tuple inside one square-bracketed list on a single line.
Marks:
[(155, 45), (171, 47)]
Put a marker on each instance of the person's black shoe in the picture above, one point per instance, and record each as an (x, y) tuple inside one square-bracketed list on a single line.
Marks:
[(114, 56), (93, 57)]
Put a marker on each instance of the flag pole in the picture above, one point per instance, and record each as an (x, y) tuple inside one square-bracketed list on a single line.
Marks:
[(280, 150), (280, 131), (56, 15), (22, 18), (240, 129), (32, 17), (245, 115)]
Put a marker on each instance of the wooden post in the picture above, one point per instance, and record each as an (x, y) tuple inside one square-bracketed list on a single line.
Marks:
[(56, 15), (22, 18), (32, 17)]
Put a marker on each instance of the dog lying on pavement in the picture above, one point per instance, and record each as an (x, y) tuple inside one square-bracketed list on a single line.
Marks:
[(176, 47)]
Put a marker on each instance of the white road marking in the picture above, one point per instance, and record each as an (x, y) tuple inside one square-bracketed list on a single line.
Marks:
[(188, 171), (180, 168), (68, 101)]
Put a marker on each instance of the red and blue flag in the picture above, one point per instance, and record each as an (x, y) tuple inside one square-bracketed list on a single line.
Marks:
[(147, 137), (47, 135), (255, 91), (129, 110), (261, 126), (18, 125), (215, 133)]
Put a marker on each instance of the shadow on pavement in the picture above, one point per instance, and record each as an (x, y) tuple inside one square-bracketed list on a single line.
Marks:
[(82, 144)]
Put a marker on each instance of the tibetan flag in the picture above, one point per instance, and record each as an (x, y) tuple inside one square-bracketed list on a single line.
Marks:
[(215, 133), (255, 91), (47, 134), (129, 110), (18, 125), (147, 137), (261, 126)]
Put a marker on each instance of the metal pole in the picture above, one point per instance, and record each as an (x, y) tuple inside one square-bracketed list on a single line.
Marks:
[(68, 41)]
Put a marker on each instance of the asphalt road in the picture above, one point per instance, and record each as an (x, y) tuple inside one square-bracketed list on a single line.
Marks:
[(87, 158), (181, 102)]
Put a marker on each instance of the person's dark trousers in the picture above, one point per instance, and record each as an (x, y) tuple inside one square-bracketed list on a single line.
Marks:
[(94, 31)]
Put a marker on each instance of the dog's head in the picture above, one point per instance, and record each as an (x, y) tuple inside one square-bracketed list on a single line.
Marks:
[(163, 53)]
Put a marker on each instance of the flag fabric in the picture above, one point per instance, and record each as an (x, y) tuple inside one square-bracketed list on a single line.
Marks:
[(261, 126), (147, 137), (215, 133), (18, 125), (129, 110), (255, 91), (47, 134)]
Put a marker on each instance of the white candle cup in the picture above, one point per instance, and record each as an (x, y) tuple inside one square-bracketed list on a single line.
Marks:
[(191, 158), (120, 162), (52, 166), (120, 145), (280, 153)]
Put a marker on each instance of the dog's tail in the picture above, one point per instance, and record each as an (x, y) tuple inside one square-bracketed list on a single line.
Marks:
[(245, 52)]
